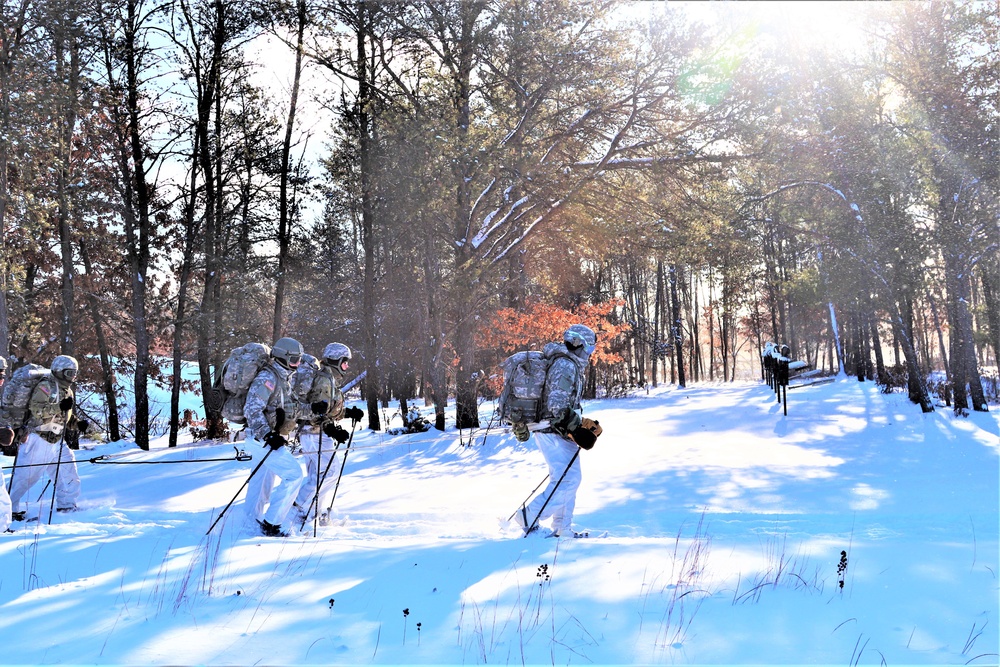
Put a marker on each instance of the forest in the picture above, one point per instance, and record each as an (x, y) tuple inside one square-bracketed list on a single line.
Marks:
[(440, 183)]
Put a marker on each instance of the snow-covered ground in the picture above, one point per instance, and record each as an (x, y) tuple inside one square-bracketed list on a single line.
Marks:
[(726, 526)]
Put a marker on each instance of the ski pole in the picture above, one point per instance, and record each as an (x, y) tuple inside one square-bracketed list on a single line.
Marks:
[(55, 480), (315, 501), (39, 499), (342, 464), (521, 506), (319, 460), (245, 482), (554, 489), (17, 455)]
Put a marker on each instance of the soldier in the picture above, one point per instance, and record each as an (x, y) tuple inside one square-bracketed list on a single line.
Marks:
[(44, 450), (6, 439), (270, 413), (326, 406), (563, 390)]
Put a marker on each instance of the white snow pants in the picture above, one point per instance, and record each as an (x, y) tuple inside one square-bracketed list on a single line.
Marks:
[(327, 461), (558, 452), (37, 452), (281, 466), (5, 507)]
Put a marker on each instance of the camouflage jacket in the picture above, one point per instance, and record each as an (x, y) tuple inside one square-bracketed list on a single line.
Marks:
[(268, 392), (564, 384), (324, 388)]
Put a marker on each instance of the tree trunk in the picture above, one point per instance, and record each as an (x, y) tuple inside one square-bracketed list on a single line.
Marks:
[(966, 383), (834, 338), (940, 334), (107, 371), (214, 423), (180, 314), (284, 233), (658, 317), (10, 41), (364, 102), (916, 388), (991, 301), (136, 200), (434, 366), (676, 327), (66, 40), (880, 374), (466, 408)]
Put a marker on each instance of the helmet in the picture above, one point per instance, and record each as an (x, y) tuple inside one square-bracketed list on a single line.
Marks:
[(336, 355), (580, 335), (287, 352), (65, 367)]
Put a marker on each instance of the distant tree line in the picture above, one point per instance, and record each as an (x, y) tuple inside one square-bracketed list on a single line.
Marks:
[(693, 189)]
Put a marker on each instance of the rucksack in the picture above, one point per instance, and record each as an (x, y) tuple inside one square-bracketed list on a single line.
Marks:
[(301, 382), (17, 392), (522, 399), (238, 372)]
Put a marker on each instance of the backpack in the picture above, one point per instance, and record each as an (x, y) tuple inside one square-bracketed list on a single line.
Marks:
[(238, 373), (522, 399), (17, 392), (302, 381)]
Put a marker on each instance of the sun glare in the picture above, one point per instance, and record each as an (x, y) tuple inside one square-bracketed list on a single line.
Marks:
[(828, 24), (834, 24)]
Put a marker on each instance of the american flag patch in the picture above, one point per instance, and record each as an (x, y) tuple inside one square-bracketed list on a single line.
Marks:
[(45, 388), (269, 384)]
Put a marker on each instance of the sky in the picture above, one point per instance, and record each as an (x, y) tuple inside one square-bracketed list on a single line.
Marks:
[(720, 530)]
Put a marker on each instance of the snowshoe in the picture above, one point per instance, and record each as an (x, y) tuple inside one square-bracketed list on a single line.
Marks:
[(521, 517), (18, 516), (268, 529)]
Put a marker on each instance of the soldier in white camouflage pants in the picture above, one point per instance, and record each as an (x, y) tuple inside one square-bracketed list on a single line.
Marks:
[(320, 435), (44, 451), (563, 391), (270, 413)]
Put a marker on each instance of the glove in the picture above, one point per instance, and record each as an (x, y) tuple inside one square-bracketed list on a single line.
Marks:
[(6, 437), (585, 435), (275, 440), (82, 425), (320, 407), (354, 414), (521, 432), (584, 438), (279, 418), (66, 404), (336, 432)]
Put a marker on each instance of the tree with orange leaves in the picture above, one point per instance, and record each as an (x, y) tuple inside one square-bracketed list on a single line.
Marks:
[(511, 330)]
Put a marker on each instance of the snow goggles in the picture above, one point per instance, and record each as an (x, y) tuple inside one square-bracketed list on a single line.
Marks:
[(342, 363)]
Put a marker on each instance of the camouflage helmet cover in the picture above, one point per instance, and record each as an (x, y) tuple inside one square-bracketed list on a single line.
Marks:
[(287, 352), (581, 334), (336, 355), (334, 352), (65, 367)]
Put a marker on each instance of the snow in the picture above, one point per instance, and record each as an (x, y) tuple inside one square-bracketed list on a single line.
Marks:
[(726, 525)]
